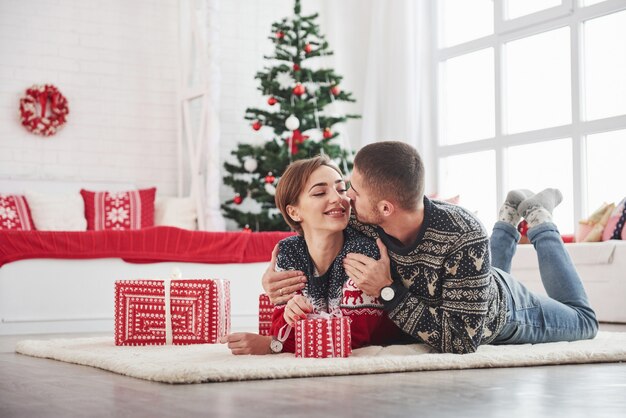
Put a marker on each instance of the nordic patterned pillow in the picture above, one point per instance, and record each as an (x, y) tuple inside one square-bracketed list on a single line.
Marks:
[(123, 210), (15, 213)]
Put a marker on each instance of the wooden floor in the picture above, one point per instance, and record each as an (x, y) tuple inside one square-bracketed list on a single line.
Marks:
[(31, 387)]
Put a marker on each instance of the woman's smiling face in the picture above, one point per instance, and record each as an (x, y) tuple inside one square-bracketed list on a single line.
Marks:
[(323, 204)]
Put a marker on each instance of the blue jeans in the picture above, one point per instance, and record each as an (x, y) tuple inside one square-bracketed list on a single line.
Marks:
[(565, 314)]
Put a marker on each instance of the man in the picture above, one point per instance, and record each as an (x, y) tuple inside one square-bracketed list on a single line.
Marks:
[(440, 278)]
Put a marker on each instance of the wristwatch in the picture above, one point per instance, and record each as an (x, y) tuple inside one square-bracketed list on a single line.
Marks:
[(276, 346), (387, 293)]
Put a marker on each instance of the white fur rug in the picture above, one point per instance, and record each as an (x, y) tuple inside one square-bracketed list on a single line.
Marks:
[(214, 363)]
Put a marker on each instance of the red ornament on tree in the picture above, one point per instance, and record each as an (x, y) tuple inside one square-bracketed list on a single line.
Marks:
[(296, 138), (296, 67), (271, 101), (237, 199), (299, 90), (327, 133), (335, 90), (308, 48), (280, 35), (257, 125), (269, 179)]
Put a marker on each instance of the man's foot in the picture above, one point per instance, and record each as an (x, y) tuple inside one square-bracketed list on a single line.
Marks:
[(538, 208), (508, 211)]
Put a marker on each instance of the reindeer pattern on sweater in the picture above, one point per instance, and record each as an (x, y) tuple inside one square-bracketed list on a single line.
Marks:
[(455, 301)]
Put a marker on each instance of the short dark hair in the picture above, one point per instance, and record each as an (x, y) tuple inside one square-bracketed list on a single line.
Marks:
[(393, 170), (293, 181)]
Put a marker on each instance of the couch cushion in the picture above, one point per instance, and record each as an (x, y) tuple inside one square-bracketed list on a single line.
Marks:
[(175, 211), (133, 209), (614, 228), (14, 213), (57, 212)]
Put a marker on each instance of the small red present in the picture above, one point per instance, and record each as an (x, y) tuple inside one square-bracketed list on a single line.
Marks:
[(323, 336), (266, 308), (522, 227), (196, 311)]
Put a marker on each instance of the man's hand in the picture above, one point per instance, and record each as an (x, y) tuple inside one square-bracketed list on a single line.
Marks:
[(368, 274), (297, 308), (247, 343), (281, 285)]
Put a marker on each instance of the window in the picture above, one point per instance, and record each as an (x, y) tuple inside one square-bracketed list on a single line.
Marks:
[(537, 81), (530, 94), (467, 96)]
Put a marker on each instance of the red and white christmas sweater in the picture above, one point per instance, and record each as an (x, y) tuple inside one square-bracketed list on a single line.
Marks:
[(335, 291)]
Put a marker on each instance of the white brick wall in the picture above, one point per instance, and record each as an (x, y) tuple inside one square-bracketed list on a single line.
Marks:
[(115, 61)]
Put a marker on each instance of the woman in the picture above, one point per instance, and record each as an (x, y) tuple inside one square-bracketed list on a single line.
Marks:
[(312, 197)]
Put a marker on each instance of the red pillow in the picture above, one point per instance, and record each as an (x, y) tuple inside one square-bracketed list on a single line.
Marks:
[(119, 210), (15, 213)]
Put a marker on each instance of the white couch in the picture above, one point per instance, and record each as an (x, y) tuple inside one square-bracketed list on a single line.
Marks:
[(602, 268), (49, 295), (59, 295)]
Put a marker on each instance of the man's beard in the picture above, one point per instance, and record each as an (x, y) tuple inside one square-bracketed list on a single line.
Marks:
[(371, 217)]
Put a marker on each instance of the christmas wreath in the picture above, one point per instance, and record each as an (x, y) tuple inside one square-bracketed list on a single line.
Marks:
[(33, 109)]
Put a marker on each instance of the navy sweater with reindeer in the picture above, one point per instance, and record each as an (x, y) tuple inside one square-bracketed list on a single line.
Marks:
[(334, 291), (447, 293)]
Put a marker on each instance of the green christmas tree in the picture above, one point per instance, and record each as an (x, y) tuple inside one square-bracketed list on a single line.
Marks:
[(297, 95)]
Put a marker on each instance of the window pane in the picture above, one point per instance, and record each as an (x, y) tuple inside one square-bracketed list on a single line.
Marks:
[(467, 98), (473, 177), (517, 8), (538, 81), (605, 66), (590, 2), (605, 168), (542, 165), (463, 20)]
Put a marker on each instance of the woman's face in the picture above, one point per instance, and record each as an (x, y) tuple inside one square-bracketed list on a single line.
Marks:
[(323, 204)]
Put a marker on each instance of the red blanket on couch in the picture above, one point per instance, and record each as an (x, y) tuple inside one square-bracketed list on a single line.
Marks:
[(160, 243)]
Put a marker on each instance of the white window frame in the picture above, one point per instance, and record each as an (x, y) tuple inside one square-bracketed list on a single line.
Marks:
[(570, 13)]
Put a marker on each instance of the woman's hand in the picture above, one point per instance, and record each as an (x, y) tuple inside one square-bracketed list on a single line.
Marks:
[(281, 285), (297, 308), (247, 343)]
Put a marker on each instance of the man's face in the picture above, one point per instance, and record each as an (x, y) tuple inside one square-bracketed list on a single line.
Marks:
[(363, 204)]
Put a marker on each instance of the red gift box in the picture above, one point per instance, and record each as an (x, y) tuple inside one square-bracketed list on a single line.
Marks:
[(322, 337), (199, 311), (266, 308)]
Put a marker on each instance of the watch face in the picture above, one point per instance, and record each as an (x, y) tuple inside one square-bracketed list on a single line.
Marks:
[(276, 346), (387, 293)]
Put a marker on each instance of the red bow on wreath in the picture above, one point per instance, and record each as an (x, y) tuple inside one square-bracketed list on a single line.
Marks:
[(38, 122), (296, 139)]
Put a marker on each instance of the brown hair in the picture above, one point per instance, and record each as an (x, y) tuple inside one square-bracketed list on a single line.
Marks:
[(293, 181), (393, 170)]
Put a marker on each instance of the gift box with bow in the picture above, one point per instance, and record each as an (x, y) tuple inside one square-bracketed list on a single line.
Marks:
[(322, 336), (184, 311)]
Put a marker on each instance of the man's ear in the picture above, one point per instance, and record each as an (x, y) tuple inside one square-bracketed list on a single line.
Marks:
[(293, 213), (385, 207)]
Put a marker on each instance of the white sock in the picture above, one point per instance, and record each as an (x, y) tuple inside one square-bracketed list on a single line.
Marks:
[(508, 212), (538, 208)]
